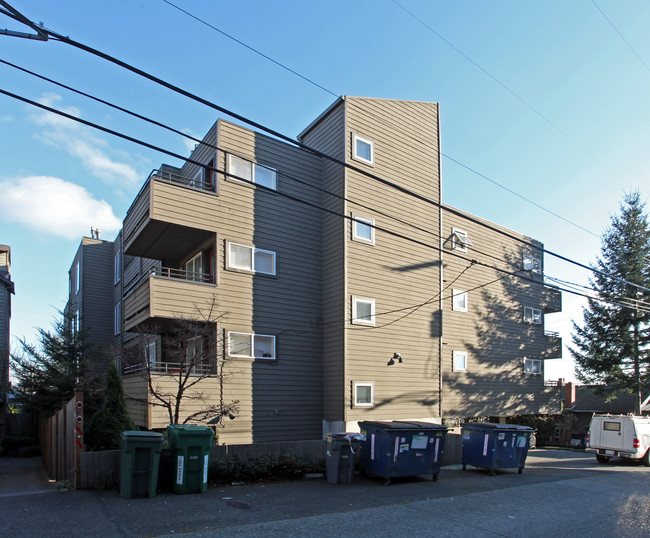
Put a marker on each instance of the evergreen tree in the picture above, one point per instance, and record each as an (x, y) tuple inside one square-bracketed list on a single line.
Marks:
[(612, 347), (47, 374), (110, 421)]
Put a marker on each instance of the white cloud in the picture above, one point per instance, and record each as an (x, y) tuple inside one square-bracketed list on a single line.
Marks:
[(55, 207), (79, 141)]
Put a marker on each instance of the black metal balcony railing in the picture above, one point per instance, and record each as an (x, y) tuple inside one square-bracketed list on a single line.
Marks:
[(181, 180), (168, 368), (181, 274)]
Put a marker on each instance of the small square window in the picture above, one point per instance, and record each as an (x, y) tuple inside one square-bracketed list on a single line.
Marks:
[(532, 315), (363, 311), (363, 392), (459, 300), (363, 149), (532, 366), (532, 264), (363, 230), (460, 361), (459, 240)]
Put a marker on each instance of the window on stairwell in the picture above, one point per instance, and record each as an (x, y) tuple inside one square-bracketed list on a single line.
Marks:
[(459, 300), (363, 149), (459, 240), (460, 361), (363, 230), (363, 393), (532, 264), (363, 311)]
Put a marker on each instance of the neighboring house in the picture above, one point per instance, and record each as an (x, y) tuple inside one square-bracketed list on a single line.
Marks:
[(6, 291), (346, 300), (582, 402), (91, 300)]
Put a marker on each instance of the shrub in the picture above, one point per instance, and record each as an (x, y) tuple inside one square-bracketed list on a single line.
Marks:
[(274, 467)]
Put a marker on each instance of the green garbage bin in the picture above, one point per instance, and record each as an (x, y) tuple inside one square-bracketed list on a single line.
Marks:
[(190, 448), (139, 463)]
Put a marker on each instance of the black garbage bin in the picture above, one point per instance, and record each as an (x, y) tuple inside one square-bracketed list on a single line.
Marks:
[(399, 448), (495, 446), (340, 457)]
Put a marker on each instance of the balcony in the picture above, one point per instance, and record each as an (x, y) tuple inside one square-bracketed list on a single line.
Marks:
[(169, 212), (551, 300), (168, 293), (553, 348)]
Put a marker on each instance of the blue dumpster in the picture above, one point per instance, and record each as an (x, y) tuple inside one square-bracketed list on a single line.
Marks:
[(396, 448), (495, 446)]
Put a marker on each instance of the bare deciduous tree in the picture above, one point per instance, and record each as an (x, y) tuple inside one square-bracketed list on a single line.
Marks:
[(176, 358)]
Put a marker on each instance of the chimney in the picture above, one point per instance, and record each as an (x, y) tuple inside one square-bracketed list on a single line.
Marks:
[(569, 395)]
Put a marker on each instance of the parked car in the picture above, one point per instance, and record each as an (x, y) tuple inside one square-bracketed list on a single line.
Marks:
[(620, 436)]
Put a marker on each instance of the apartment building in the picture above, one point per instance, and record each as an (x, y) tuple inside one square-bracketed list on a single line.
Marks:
[(91, 300), (7, 289), (330, 282)]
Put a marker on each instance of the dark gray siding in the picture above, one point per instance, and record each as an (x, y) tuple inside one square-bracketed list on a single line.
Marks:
[(328, 136)]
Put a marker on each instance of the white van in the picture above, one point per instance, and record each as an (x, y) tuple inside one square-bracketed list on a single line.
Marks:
[(620, 436)]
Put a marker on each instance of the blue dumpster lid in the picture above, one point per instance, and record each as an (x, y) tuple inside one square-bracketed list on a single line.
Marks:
[(493, 426), (400, 425)]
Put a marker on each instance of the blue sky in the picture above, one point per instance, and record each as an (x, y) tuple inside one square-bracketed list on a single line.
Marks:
[(544, 97)]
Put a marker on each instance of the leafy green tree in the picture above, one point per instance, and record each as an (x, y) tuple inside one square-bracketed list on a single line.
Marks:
[(47, 373), (112, 419), (612, 347)]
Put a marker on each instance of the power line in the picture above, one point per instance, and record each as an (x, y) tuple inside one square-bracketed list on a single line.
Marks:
[(256, 51), (302, 201), (244, 180), (67, 40), (510, 91), (621, 35), (216, 147)]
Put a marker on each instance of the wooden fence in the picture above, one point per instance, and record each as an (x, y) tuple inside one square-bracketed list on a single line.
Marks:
[(61, 441), (100, 470)]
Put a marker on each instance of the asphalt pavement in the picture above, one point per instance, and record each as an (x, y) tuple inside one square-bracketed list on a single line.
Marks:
[(560, 493)]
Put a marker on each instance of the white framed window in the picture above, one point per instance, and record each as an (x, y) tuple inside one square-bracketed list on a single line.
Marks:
[(152, 352), (459, 240), (76, 323), (532, 366), (198, 178), (262, 175), (252, 259), (251, 346), (460, 361), (194, 268), (459, 300), (532, 264), (363, 311), (194, 350), (363, 393), (117, 319), (117, 266), (532, 315), (363, 230), (363, 149), (77, 277)]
